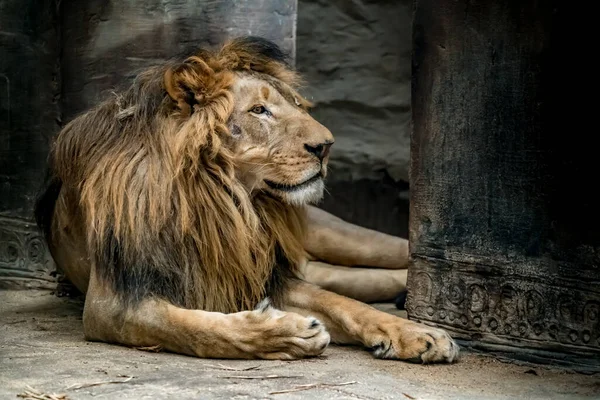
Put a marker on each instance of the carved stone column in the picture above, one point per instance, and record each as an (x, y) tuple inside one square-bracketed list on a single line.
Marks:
[(29, 111), (505, 216)]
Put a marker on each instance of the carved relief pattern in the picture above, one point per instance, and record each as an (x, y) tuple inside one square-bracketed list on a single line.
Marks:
[(504, 307), (23, 252)]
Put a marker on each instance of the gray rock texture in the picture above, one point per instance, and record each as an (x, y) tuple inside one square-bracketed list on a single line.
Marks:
[(356, 59)]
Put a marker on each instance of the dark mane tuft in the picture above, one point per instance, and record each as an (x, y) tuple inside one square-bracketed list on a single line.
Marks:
[(263, 47)]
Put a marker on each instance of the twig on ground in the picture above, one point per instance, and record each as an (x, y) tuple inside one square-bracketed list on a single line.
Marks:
[(409, 396), (32, 393), (85, 385), (261, 376), (300, 388), (226, 368), (15, 322), (154, 349)]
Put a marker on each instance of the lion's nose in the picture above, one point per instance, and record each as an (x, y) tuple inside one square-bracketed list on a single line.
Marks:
[(320, 150)]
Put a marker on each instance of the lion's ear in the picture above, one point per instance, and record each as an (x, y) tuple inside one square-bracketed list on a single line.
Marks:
[(187, 83)]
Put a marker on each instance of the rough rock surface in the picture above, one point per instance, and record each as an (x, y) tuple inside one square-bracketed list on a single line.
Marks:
[(356, 59)]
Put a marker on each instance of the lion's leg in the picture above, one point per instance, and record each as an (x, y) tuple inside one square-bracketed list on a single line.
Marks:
[(352, 322), (335, 241), (262, 333), (364, 284)]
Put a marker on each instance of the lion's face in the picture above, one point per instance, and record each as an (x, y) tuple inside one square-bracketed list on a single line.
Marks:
[(279, 147)]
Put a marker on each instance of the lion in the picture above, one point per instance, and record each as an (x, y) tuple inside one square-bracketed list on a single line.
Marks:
[(183, 208)]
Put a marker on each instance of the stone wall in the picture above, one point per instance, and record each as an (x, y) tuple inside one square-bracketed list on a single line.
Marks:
[(29, 99), (356, 59)]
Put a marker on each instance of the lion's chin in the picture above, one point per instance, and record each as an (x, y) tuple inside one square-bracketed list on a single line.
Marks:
[(307, 193)]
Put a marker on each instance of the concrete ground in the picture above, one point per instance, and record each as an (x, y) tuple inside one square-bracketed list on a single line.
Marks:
[(41, 347)]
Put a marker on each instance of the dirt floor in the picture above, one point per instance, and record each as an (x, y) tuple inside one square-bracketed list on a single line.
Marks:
[(41, 347)]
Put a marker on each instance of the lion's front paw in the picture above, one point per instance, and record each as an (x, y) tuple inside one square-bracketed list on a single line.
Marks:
[(276, 334), (400, 339)]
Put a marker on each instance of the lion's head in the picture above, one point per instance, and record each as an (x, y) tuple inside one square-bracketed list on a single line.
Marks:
[(189, 183), (276, 145)]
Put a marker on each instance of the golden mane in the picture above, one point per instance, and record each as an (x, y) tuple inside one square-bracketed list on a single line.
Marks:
[(164, 211)]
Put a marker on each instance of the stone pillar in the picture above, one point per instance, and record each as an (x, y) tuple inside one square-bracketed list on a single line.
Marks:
[(504, 218), (29, 114)]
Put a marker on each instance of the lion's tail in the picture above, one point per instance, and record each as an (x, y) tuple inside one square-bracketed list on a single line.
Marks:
[(45, 203)]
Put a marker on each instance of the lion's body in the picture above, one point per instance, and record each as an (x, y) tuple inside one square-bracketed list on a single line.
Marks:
[(180, 203)]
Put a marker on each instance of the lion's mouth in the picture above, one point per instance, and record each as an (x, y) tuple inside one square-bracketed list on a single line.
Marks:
[(290, 188)]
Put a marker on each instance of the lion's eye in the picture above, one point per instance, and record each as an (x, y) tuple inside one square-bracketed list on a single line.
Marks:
[(258, 109)]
